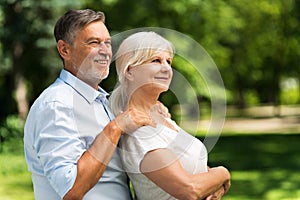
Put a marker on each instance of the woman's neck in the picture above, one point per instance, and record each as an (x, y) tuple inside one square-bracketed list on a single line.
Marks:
[(143, 100)]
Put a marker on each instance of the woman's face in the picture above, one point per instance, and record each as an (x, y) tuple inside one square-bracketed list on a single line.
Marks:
[(154, 75)]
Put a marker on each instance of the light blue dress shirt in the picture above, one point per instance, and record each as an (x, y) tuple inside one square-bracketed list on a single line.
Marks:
[(60, 127)]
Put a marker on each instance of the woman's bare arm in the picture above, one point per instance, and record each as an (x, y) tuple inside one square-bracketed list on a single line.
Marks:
[(163, 168)]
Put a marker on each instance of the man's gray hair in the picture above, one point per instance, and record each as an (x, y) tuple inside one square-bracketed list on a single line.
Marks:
[(73, 21)]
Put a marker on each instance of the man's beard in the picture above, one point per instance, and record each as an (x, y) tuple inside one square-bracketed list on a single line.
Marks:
[(94, 75)]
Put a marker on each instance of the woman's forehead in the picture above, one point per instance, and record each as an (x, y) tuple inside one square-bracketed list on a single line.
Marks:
[(162, 52)]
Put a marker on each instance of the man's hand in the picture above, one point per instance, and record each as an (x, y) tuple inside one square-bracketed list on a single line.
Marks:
[(161, 109), (132, 119)]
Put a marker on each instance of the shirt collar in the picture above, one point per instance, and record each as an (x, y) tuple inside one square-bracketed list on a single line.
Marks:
[(85, 90)]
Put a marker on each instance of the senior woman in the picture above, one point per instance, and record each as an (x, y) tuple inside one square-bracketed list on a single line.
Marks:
[(162, 162)]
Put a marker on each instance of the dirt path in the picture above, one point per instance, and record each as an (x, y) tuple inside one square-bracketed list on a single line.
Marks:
[(285, 125), (255, 120)]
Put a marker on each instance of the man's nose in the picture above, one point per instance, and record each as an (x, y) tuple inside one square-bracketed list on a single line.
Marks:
[(104, 47)]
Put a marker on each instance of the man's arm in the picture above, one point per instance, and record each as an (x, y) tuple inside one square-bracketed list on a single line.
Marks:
[(163, 168), (94, 161)]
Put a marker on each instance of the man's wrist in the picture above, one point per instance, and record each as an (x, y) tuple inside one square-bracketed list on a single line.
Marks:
[(116, 128), (113, 132)]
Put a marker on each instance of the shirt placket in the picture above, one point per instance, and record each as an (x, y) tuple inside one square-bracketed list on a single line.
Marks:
[(101, 99)]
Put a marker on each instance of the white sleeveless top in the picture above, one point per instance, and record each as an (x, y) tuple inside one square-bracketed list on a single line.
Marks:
[(191, 152)]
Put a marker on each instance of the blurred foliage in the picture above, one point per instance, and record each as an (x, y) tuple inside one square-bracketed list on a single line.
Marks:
[(11, 135), (290, 92), (255, 45)]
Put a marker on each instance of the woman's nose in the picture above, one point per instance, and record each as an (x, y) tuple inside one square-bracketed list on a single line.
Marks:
[(166, 66)]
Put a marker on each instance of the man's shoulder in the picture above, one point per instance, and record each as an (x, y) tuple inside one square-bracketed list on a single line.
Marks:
[(56, 92)]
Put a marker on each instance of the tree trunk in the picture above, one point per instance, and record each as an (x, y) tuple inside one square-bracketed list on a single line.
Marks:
[(19, 81), (21, 96)]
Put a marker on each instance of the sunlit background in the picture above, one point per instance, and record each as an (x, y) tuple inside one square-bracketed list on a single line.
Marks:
[(255, 45)]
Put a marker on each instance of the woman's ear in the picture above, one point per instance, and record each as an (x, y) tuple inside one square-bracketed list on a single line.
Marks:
[(128, 74), (63, 49)]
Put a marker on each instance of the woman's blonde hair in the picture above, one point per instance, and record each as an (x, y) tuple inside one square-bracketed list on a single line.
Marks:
[(135, 50)]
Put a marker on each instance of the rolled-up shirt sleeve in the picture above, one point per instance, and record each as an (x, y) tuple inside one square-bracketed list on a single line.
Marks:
[(58, 145)]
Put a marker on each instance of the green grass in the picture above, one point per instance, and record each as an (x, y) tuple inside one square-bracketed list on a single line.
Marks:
[(15, 180), (262, 166)]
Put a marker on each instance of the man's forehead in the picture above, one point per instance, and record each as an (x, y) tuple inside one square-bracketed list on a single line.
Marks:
[(95, 29)]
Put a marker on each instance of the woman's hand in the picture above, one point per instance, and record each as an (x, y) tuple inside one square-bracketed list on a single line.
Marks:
[(217, 195)]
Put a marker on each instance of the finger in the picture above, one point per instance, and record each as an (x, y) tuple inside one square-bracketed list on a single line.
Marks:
[(162, 109), (143, 119), (153, 123), (209, 197), (226, 186), (125, 123)]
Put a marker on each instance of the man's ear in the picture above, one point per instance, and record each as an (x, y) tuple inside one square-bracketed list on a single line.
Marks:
[(63, 49)]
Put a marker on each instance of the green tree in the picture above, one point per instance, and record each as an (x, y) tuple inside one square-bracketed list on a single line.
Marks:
[(254, 44), (27, 51)]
